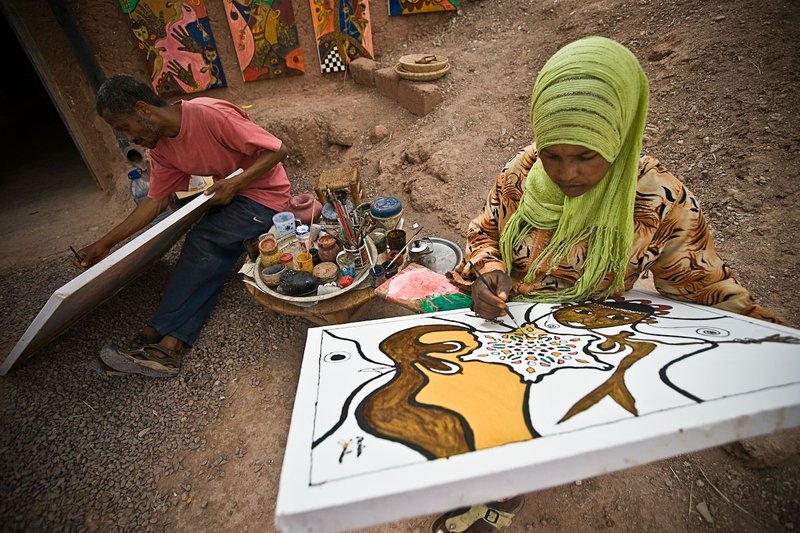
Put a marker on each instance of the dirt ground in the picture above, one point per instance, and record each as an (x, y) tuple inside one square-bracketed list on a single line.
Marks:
[(723, 111)]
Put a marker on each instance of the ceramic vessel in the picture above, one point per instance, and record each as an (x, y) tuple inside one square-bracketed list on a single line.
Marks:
[(303, 205)]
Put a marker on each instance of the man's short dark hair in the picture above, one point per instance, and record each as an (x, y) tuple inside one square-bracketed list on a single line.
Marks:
[(119, 94)]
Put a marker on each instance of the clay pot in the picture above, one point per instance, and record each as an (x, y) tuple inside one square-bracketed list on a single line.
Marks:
[(303, 204)]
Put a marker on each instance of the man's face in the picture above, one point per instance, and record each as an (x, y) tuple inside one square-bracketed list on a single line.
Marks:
[(136, 129)]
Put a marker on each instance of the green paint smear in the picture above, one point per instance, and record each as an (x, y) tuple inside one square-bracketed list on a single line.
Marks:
[(128, 5), (446, 302)]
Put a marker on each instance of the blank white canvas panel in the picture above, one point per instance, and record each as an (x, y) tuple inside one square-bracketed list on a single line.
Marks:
[(420, 414), (85, 292)]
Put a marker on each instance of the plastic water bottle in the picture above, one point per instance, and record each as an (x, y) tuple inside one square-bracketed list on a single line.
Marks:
[(139, 189), (139, 186)]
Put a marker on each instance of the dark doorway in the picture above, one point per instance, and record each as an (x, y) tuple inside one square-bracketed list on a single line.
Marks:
[(47, 195)]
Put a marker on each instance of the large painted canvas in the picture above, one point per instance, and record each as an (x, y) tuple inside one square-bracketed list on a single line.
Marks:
[(85, 292), (175, 39), (343, 32), (424, 413), (265, 38), (412, 7)]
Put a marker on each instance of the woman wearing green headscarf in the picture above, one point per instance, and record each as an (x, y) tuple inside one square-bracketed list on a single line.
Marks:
[(581, 214)]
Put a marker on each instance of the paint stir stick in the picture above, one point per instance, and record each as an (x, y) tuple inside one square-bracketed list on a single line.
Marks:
[(486, 284)]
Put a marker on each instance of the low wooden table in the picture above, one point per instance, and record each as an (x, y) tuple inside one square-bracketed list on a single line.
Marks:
[(345, 308)]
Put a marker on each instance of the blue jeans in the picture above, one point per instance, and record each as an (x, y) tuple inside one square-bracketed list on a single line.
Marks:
[(209, 253)]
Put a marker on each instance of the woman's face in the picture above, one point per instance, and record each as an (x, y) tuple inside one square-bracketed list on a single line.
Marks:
[(574, 169)]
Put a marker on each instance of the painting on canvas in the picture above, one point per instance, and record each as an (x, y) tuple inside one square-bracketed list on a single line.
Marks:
[(447, 404), (265, 38), (343, 32), (412, 7), (175, 39)]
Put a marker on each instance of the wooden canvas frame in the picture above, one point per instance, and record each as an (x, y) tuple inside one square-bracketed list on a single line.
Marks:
[(81, 295), (714, 377)]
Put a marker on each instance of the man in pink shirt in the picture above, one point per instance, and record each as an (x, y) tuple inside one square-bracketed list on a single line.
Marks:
[(202, 136)]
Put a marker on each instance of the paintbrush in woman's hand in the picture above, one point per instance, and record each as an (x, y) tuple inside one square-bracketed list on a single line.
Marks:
[(486, 284)]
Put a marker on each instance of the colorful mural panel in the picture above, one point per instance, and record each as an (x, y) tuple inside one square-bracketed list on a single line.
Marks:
[(413, 7), (176, 41), (265, 38), (343, 32)]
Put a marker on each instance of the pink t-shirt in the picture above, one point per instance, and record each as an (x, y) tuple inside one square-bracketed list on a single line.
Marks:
[(216, 138)]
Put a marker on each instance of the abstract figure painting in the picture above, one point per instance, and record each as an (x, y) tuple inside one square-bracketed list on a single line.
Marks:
[(343, 32), (412, 7), (176, 40), (265, 38), (420, 414)]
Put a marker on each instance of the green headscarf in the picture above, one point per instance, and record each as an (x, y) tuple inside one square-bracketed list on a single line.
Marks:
[(592, 93)]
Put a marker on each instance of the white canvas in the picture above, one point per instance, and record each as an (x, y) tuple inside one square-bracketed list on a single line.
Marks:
[(420, 414), (81, 295)]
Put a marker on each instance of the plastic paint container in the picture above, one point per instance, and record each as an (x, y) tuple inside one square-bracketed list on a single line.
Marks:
[(386, 211)]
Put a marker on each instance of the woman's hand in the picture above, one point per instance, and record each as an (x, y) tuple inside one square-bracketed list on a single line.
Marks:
[(489, 296)]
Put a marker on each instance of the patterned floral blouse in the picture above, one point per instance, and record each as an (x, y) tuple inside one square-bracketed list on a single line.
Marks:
[(671, 240)]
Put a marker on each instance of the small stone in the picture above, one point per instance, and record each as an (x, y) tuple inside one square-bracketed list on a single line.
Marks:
[(702, 508), (700, 483)]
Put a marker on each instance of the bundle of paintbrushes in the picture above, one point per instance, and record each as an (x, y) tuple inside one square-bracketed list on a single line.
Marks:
[(354, 227)]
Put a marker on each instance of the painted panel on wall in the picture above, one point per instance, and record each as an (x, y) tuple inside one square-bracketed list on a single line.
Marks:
[(419, 414), (343, 32), (265, 38), (176, 41), (412, 7)]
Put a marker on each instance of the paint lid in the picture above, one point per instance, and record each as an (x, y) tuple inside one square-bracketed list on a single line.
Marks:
[(385, 207)]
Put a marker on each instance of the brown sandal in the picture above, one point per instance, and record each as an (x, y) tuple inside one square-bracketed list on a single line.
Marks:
[(481, 518), (151, 360)]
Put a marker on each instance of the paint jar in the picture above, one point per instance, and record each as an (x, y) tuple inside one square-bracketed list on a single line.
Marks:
[(347, 264), (360, 257), (379, 238), (288, 260), (326, 272), (328, 248), (386, 212), (284, 223), (377, 276), (269, 254), (303, 234), (395, 240), (305, 262), (389, 271), (315, 256)]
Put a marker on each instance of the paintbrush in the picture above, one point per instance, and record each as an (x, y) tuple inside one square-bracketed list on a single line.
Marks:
[(76, 254), (486, 284)]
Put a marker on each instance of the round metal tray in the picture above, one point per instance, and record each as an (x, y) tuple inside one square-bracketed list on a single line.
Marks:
[(448, 254), (314, 298)]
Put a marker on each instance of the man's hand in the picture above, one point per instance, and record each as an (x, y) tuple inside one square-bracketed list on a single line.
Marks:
[(223, 191), (93, 253), (489, 298)]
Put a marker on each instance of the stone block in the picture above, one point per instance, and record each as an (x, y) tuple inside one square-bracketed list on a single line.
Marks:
[(363, 71), (419, 98), (386, 80)]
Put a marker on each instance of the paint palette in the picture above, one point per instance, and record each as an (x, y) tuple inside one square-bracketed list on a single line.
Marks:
[(289, 244)]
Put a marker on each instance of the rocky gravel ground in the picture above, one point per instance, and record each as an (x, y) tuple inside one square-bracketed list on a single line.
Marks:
[(80, 451)]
